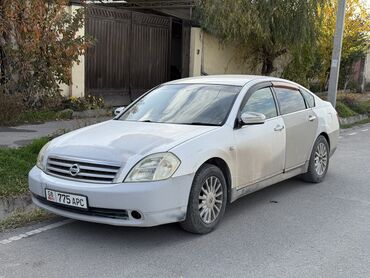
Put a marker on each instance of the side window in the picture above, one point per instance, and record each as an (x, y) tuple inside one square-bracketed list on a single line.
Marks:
[(309, 98), (289, 100), (261, 101)]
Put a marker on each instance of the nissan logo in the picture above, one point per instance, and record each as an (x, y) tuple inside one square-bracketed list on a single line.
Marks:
[(74, 170)]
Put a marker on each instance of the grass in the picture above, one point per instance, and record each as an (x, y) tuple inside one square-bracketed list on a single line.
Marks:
[(42, 116), (15, 165), (19, 219), (38, 116), (344, 110)]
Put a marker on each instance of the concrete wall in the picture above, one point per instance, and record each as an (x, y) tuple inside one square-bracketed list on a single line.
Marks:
[(222, 59), (196, 52), (209, 56), (77, 88)]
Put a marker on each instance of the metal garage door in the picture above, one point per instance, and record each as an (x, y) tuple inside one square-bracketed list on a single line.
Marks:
[(131, 53)]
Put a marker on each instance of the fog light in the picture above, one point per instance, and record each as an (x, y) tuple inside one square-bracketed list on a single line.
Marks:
[(136, 215)]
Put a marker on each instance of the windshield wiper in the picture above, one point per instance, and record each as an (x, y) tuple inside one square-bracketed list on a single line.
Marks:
[(146, 121), (200, 123)]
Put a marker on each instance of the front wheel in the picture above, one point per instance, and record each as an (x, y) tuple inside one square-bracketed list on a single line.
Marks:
[(207, 200), (319, 161)]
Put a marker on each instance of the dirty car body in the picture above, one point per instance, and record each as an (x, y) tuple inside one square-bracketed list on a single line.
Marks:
[(141, 168)]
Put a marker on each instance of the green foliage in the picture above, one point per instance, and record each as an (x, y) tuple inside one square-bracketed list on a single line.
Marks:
[(15, 165), (14, 111), (39, 42), (65, 114), (344, 111), (355, 103), (356, 39), (81, 103), (264, 30)]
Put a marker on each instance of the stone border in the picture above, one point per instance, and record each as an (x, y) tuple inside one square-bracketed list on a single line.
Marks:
[(11, 204), (353, 119)]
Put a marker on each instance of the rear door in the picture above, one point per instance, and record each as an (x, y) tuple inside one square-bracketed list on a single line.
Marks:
[(300, 122)]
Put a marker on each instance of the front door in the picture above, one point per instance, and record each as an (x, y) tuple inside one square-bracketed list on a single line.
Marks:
[(260, 148), (300, 123)]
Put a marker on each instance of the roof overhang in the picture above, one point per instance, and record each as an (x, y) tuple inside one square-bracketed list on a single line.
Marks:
[(178, 8)]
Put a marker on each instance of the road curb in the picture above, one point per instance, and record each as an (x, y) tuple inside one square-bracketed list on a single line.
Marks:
[(20, 203), (91, 113), (352, 120)]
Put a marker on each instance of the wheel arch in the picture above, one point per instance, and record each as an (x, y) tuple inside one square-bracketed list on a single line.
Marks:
[(326, 136)]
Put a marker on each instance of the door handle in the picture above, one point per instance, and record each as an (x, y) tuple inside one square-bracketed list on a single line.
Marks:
[(279, 128), (311, 118)]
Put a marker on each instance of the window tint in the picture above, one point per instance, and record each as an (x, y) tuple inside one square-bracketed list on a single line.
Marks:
[(261, 101), (309, 98), (289, 100)]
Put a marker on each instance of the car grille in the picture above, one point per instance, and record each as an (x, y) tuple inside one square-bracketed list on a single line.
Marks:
[(82, 170)]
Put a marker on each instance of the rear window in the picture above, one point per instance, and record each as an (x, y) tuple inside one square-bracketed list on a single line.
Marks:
[(310, 100), (290, 100)]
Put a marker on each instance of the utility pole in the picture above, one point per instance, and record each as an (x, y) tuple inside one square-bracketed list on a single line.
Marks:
[(337, 51)]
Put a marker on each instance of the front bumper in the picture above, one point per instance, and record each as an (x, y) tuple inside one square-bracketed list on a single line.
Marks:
[(158, 202)]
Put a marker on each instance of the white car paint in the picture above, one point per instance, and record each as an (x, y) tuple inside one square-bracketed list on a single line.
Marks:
[(255, 155)]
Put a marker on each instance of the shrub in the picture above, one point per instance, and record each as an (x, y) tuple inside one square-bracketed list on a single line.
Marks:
[(65, 114), (344, 111), (39, 42), (81, 104), (12, 106), (353, 101)]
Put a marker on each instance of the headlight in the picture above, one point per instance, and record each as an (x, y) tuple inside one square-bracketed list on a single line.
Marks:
[(40, 157), (154, 167)]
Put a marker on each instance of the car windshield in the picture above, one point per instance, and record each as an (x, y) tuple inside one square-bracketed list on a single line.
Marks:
[(196, 104)]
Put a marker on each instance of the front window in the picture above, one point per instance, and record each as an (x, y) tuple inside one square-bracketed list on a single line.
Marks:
[(261, 101), (197, 104)]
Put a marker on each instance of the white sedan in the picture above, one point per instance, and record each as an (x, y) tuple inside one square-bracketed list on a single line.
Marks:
[(185, 149)]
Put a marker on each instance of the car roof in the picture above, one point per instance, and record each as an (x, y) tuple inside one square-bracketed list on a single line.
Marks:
[(236, 80)]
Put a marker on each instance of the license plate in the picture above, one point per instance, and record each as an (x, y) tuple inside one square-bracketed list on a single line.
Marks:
[(67, 199)]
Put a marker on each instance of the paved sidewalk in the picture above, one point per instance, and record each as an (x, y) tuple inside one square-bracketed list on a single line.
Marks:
[(18, 136)]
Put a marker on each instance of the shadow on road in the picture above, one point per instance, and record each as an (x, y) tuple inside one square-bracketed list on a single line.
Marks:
[(172, 234)]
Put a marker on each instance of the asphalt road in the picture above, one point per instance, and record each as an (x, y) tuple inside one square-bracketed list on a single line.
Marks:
[(292, 229)]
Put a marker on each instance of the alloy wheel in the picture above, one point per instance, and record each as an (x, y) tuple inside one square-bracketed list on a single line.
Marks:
[(210, 199), (321, 159)]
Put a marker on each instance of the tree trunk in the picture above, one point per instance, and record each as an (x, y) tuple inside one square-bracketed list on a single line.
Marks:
[(267, 66), (346, 84)]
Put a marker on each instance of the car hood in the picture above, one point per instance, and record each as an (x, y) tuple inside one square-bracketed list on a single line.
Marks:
[(118, 141)]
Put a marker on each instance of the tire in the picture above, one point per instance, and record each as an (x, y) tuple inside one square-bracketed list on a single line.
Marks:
[(201, 204), (320, 154)]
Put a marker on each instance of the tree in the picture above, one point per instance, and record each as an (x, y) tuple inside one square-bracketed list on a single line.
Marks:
[(39, 42), (264, 30), (355, 39)]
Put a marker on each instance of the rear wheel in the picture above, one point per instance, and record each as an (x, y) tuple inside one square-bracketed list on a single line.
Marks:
[(319, 161), (207, 201)]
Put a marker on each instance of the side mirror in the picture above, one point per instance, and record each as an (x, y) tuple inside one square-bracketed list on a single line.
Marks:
[(118, 110), (252, 118)]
